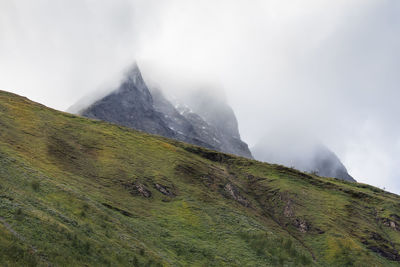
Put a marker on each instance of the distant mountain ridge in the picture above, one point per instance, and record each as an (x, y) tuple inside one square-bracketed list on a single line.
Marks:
[(211, 123), (311, 157)]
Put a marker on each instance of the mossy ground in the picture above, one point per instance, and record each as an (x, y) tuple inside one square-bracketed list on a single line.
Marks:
[(70, 196)]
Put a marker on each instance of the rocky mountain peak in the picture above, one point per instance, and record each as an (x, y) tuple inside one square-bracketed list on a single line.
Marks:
[(206, 122), (133, 80), (131, 105)]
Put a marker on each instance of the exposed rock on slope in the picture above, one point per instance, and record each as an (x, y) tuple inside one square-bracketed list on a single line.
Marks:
[(134, 106)]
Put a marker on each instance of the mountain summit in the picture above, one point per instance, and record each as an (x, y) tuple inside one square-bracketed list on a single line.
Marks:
[(131, 105), (202, 120)]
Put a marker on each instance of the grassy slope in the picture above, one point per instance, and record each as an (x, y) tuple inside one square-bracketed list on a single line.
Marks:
[(70, 194)]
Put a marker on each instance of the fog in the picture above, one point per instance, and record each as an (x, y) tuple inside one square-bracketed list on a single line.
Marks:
[(326, 69)]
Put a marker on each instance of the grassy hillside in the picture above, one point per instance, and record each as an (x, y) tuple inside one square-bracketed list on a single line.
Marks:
[(79, 192)]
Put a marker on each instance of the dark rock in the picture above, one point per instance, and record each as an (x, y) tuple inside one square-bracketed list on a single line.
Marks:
[(377, 237), (388, 253), (164, 190), (214, 121), (382, 246), (301, 225), (212, 126), (138, 189), (208, 154), (131, 105), (7, 197), (141, 189), (123, 212)]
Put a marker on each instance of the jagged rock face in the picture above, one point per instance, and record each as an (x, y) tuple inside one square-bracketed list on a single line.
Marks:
[(184, 130), (214, 110), (134, 106), (130, 105), (309, 157), (211, 120)]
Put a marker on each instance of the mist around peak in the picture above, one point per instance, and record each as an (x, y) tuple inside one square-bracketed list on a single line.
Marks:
[(302, 152), (200, 117)]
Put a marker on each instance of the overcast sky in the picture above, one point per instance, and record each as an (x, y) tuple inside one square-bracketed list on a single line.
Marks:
[(327, 68)]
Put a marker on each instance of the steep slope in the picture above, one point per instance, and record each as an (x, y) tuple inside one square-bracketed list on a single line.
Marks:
[(75, 191), (303, 154), (134, 106)]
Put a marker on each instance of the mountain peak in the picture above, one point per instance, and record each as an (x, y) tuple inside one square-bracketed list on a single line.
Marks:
[(133, 81), (133, 105)]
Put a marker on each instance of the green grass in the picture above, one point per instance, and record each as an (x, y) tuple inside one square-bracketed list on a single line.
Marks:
[(76, 192)]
